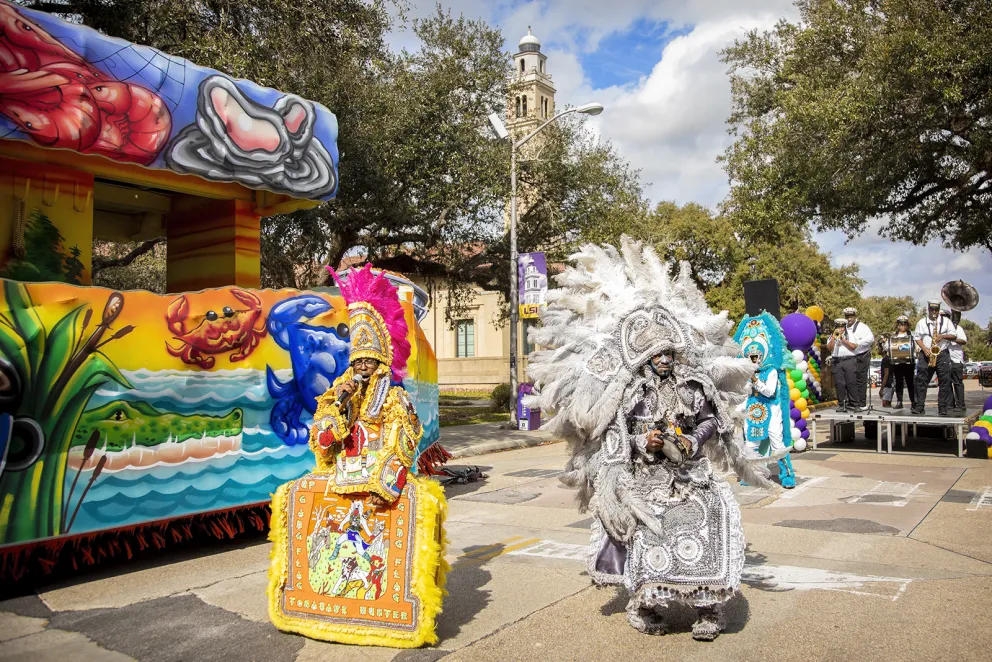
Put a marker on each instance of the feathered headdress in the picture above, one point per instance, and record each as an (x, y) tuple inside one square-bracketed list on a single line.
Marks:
[(613, 312), (763, 333), (376, 321)]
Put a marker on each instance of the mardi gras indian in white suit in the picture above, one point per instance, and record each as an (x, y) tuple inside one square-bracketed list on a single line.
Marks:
[(644, 382)]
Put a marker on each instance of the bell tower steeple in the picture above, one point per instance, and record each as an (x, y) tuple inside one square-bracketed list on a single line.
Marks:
[(532, 93)]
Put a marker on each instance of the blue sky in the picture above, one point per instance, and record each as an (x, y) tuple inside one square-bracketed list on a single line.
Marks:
[(654, 65), (626, 56)]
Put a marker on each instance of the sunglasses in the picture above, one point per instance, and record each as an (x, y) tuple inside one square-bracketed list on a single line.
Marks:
[(371, 362)]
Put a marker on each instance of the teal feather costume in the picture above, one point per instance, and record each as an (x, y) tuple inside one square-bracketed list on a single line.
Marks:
[(762, 334)]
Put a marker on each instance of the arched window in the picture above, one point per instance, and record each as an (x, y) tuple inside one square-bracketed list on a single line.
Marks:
[(542, 66), (524, 104), (521, 65), (519, 114)]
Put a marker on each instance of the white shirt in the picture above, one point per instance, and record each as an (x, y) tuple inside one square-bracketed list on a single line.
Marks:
[(926, 330), (956, 351), (860, 335), (766, 387)]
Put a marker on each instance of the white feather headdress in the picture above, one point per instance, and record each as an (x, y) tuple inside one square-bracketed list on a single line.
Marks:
[(614, 311)]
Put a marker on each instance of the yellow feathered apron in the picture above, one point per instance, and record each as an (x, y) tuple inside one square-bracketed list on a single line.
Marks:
[(342, 570)]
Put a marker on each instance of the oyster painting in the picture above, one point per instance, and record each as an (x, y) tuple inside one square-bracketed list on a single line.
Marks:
[(119, 409)]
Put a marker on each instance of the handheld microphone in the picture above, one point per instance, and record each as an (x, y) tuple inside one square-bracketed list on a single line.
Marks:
[(343, 399)]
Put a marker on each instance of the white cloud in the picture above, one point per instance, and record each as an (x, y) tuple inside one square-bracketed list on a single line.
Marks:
[(966, 262)]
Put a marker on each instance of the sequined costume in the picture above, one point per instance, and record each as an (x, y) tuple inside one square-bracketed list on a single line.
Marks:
[(358, 545), (667, 530)]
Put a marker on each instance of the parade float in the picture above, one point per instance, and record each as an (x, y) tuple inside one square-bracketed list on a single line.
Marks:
[(133, 420)]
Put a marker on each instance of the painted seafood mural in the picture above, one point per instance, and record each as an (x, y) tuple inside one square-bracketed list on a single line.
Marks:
[(123, 408), (66, 86)]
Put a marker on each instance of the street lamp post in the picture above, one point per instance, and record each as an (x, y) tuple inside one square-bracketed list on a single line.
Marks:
[(500, 128)]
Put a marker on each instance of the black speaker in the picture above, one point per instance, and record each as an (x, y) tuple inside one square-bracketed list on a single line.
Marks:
[(761, 295)]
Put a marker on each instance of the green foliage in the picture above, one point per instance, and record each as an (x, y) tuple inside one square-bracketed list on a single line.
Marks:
[(979, 347), (145, 272), (452, 416), (501, 398), (880, 313), (43, 255), (723, 257), (866, 109)]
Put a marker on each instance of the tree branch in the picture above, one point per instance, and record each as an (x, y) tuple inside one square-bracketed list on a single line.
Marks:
[(105, 262)]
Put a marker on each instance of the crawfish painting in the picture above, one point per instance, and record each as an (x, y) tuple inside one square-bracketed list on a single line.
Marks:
[(58, 99), (216, 333)]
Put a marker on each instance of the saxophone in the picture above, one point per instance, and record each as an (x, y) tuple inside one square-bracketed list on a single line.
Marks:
[(934, 348)]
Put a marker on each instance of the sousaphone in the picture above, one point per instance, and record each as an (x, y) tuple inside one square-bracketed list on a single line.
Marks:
[(959, 296)]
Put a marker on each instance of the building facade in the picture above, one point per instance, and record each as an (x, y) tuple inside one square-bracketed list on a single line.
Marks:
[(474, 352)]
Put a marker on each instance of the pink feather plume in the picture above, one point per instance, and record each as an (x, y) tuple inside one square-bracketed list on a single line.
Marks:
[(363, 285)]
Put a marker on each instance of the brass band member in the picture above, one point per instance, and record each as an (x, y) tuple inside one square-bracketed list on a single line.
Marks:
[(933, 336), (956, 352), (851, 352), (842, 366), (901, 351)]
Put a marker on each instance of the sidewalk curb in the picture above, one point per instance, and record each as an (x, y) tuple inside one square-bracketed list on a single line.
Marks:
[(498, 446)]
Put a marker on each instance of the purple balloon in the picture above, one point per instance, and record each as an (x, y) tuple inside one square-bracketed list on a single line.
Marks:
[(801, 424), (799, 331), (988, 403), (796, 414), (804, 434), (984, 435)]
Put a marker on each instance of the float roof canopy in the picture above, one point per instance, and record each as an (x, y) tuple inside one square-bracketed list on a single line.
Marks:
[(66, 86)]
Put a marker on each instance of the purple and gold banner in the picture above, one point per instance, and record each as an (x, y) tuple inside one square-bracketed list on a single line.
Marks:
[(532, 276)]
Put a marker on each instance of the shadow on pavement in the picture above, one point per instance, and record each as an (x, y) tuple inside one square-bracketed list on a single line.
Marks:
[(680, 618), (466, 597), (121, 566)]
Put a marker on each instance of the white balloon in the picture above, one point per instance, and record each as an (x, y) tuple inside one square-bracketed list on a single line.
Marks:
[(796, 434), (800, 444), (988, 412), (798, 355), (972, 436)]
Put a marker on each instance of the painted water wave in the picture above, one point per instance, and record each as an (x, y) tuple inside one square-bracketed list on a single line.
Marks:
[(238, 476)]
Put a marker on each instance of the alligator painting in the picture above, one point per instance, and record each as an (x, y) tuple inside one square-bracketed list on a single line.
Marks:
[(135, 434)]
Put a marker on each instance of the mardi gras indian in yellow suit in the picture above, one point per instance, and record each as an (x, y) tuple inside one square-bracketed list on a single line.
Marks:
[(357, 551)]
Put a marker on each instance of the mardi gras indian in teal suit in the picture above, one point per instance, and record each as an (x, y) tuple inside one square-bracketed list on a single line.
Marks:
[(766, 427)]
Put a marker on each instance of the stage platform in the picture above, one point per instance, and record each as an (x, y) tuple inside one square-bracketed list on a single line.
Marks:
[(888, 419)]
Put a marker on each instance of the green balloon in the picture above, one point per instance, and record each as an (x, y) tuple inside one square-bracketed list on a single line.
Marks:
[(801, 385), (796, 375)]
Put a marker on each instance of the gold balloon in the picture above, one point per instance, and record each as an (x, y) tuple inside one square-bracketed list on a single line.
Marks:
[(815, 313)]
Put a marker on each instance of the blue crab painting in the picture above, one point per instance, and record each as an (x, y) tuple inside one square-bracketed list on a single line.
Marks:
[(319, 354)]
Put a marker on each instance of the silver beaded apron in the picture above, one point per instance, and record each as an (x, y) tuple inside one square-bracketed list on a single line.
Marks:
[(698, 556)]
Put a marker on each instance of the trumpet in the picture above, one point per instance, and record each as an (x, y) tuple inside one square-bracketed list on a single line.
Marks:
[(840, 331)]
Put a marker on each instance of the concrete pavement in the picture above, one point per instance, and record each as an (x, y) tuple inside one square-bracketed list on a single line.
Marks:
[(870, 556)]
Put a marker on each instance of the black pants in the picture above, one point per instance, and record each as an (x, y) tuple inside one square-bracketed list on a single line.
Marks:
[(924, 373), (957, 385), (862, 365), (846, 380), (904, 374)]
